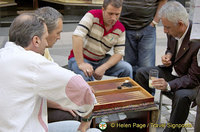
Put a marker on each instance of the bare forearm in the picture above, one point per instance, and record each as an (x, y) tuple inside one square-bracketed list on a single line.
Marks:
[(52, 104), (160, 4), (85, 124), (113, 60), (78, 49)]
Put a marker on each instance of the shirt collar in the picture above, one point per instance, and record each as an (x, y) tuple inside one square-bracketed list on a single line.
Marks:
[(12, 44)]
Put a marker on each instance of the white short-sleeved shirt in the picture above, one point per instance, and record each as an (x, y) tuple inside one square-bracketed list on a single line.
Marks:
[(27, 80)]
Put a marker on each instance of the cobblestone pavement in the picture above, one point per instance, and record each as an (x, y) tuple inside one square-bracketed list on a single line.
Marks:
[(62, 48)]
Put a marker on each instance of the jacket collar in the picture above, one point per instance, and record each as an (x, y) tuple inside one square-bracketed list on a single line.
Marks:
[(185, 44)]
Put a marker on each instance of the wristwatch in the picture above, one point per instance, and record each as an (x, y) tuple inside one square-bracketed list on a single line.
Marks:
[(87, 119), (154, 23), (168, 87)]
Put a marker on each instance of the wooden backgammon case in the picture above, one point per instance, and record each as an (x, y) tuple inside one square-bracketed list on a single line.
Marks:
[(119, 92), (122, 95)]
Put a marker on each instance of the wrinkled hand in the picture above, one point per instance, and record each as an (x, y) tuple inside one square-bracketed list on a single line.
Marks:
[(54, 105), (151, 24), (159, 83), (92, 89), (84, 126), (166, 60), (99, 72), (86, 68)]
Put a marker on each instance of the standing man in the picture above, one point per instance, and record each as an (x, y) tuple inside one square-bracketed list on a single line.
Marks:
[(140, 19), (179, 73), (97, 33), (54, 22), (28, 80)]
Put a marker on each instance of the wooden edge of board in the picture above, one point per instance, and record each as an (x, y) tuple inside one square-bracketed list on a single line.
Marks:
[(122, 103), (110, 80)]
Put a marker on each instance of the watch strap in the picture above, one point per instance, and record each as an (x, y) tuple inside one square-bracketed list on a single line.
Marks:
[(87, 119)]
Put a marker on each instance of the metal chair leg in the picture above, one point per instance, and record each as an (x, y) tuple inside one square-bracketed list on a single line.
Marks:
[(160, 106)]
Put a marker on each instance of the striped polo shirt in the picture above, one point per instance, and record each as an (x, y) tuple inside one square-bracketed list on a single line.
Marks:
[(97, 42)]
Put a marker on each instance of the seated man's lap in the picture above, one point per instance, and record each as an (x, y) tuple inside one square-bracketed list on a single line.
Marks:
[(63, 126), (186, 93), (121, 69), (72, 65), (59, 115), (67, 126)]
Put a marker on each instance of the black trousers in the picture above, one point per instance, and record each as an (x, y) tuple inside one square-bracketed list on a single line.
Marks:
[(181, 100), (197, 121), (59, 115)]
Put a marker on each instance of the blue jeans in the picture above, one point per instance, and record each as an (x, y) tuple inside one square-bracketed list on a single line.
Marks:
[(121, 69), (140, 47), (67, 126)]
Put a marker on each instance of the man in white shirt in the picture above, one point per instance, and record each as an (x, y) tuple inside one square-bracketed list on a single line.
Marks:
[(54, 22), (28, 80)]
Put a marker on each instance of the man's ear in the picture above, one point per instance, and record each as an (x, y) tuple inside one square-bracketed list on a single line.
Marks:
[(182, 26), (36, 41), (181, 23), (102, 9)]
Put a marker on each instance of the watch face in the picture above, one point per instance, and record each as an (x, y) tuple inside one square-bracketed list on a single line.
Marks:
[(102, 125)]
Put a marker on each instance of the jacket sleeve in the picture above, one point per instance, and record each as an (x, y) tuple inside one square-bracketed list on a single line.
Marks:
[(190, 79)]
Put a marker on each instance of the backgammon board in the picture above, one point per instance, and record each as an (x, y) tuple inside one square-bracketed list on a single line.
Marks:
[(119, 92)]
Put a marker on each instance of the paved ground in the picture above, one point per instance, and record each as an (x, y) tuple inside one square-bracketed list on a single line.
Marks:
[(61, 49)]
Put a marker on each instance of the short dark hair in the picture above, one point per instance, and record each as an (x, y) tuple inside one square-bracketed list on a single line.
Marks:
[(114, 3), (25, 27)]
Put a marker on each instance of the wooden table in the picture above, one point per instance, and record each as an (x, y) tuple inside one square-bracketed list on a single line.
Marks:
[(7, 8), (123, 95), (6, 3), (73, 2)]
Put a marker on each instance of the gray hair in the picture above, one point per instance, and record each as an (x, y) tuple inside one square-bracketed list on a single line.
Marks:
[(174, 11), (25, 27), (114, 3), (51, 17)]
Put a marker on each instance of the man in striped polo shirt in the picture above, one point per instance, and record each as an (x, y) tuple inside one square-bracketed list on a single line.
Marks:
[(96, 34)]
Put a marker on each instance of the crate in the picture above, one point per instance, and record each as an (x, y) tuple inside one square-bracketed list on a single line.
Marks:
[(97, 1)]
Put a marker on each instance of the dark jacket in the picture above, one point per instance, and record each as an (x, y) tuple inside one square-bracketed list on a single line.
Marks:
[(185, 63)]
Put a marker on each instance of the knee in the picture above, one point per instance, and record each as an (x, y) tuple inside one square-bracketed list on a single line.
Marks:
[(87, 78), (140, 73), (181, 98), (198, 110), (72, 65), (128, 68)]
